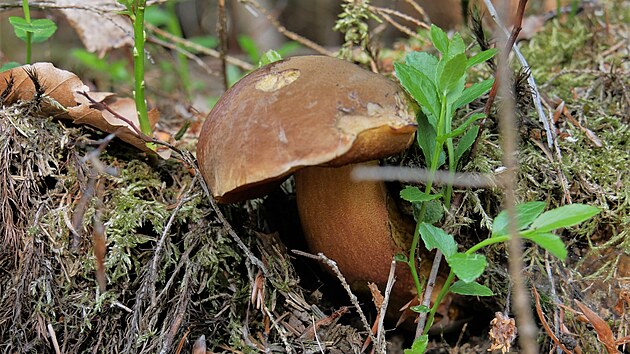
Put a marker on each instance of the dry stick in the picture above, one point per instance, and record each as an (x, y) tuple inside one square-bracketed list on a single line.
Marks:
[(385, 10), (186, 53), (289, 34), (554, 295), (541, 316), (157, 253), (426, 300), (199, 48), (551, 137), (280, 331), (184, 299), (53, 338), (398, 26), (226, 225), (507, 125), (497, 78), (381, 345), (223, 45), (353, 299), (422, 175), (418, 9)]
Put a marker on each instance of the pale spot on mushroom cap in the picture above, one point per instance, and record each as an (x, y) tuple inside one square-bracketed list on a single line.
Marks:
[(277, 80)]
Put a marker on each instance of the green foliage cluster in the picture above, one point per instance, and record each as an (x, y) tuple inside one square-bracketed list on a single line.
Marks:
[(438, 86), (30, 31)]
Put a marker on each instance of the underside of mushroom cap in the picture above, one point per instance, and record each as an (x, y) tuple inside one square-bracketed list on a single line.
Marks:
[(302, 111)]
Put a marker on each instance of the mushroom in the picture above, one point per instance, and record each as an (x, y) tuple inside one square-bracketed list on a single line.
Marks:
[(316, 116)]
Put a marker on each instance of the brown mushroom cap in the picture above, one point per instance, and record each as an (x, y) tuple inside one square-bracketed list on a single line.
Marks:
[(302, 111)]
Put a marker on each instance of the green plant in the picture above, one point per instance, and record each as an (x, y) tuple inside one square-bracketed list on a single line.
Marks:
[(533, 225), (115, 70), (438, 86), (249, 46), (135, 9), (31, 31)]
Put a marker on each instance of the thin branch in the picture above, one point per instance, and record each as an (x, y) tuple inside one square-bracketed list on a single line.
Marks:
[(199, 48), (530, 79), (289, 34), (509, 138), (422, 175), (223, 40), (381, 345), (353, 298), (426, 300)]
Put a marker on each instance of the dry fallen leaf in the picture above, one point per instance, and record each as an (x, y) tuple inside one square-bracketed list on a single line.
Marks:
[(62, 100), (604, 333)]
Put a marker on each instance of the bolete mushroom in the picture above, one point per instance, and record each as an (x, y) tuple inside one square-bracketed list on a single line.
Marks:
[(316, 116)]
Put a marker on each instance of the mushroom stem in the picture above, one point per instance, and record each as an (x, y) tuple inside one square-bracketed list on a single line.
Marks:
[(356, 224)]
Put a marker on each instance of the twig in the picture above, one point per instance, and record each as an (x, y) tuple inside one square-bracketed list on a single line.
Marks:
[(426, 300), (421, 175), (223, 40), (280, 331), (544, 323), (186, 53), (184, 298), (289, 34), (319, 344), (530, 79), (381, 345), (508, 129), (226, 225), (554, 295), (199, 48), (353, 298), (157, 252), (418, 9), (53, 338), (497, 78)]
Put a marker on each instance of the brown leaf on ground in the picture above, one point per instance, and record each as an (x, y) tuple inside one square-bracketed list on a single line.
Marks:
[(62, 100), (604, 333)]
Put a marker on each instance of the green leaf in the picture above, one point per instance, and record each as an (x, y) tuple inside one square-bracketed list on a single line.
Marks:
[(473, 92), (456, 46), (471, 289), (526, 213), (399, 257), (419, 345), (550, 242), (419, 86), (463, 127), (423, 62), (434, 237), (269, 57), (42, 28), (206, 41), (157, 16), (248, 45), (439, 39), (10, 65), (451, 73), (466, 142), (467, 267), (425, 136), (415, 195), (288, 48), (481, 57), (564, 216), (432, 214), (420, 309)]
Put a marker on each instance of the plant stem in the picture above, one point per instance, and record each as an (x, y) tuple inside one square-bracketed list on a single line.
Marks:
[(138, 61), (423, 209), (438, 300), (29, 35)]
